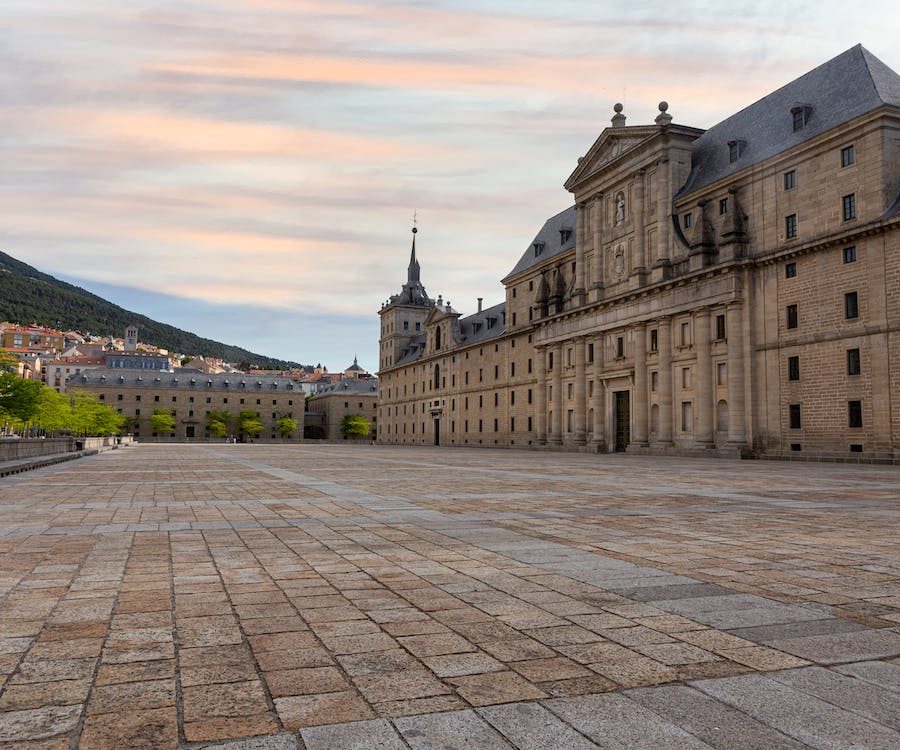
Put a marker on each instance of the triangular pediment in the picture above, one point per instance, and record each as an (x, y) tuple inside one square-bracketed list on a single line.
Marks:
[(437, 314), (612, 143)]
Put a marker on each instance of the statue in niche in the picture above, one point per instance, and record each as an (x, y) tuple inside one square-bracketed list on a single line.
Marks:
[(619, 260), (620, 208)]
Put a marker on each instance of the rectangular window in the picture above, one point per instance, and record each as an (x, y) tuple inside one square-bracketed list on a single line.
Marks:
[(687, 416), (790, 270), (791, 316), (496, 399), (654, 340), (620, 347), (850, 254), (848, 206), (688, 221), (790, 180), (794, 416), (854, 414), (720, 327), (851, 305), (723, 206), (848, 156), (529, 365), (570, 389), (529, 395), (854, 364), (793, 368), (685, 334), (721, 373), (654, 380), (418, 326), (790, 226), (685, 377), (512, 369), (512, 398), (496, 372), (529, 424), (590, 353), (550, 361), (119, 397), (798, 118), (405, 325)]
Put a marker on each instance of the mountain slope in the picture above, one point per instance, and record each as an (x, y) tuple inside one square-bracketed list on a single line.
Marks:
[(30, 296)]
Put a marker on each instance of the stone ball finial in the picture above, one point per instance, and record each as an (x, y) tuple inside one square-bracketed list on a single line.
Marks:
[(618, 108), (414, 230), (663, 106)]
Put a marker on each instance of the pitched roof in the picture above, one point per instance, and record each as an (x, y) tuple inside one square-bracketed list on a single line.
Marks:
[(182, 378), (350, 385), (480, 326), (849, 85), (551, 237)]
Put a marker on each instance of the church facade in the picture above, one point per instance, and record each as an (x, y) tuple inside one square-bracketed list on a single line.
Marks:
[(719, 292)]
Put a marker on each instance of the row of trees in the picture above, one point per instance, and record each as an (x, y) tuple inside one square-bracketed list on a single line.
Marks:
[(30, 406)]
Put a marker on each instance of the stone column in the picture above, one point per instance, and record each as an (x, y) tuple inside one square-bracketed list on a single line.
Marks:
[(640, 232), (641, 409), (735, 325), (580, 387), (581, 236), (663, 210), (703, 431), (557, 405), (540, 395), (664, 436), (598, 402)]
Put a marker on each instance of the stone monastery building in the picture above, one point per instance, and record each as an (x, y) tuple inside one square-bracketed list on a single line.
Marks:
[(721, 292)]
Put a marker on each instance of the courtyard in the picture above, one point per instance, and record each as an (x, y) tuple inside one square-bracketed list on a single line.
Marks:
[(166, 596)]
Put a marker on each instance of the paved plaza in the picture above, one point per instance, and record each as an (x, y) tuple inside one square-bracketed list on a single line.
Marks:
[(165, 596)]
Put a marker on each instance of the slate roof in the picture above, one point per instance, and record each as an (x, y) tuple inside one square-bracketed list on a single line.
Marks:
[(849, 85), (183, 379), (351, 386), (488, 324), (550, 236)]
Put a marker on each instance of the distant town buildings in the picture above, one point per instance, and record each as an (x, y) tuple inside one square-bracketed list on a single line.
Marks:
[(711, 293)]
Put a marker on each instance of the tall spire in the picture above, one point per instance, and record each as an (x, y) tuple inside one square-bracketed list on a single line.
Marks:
[(412, 275)]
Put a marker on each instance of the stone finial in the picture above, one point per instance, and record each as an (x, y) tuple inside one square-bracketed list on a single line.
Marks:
[(618, 119), (663, 118)]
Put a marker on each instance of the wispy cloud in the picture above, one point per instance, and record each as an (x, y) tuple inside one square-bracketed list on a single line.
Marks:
[(268, 154)]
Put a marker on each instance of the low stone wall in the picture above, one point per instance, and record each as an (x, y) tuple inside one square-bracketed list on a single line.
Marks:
[(13, 450)]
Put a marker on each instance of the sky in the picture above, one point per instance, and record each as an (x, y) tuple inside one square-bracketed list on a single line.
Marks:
[(249, 169)]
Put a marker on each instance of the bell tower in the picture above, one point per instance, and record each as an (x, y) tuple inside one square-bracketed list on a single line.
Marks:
[(403, 315)]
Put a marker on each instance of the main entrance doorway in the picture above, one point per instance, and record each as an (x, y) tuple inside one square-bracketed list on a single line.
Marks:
[(622, 417), (437, 431)]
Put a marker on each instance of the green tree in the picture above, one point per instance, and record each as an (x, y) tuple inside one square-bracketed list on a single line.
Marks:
[(355, 426), (162, 421), (89, 416), (286, 425), (53, 412), (18, 397), (249, 424), (217, 423)]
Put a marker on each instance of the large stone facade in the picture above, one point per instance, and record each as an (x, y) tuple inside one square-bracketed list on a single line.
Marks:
[(190, 396), (347, 396), (725, 291)]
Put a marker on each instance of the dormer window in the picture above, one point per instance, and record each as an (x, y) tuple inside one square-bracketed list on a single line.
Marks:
[(490, 322), (564, 236), (538, 248), (736, 149), (800, 115)]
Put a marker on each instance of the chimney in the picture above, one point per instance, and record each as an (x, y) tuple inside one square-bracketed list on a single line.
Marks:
[(480, 299)]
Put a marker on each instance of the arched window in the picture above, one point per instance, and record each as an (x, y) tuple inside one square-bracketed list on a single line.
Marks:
[(437, 376), (437, 339)]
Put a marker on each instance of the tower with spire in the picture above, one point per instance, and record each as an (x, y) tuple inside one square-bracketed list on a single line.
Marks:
[(403, 315)]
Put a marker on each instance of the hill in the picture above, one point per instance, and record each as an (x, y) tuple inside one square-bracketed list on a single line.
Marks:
[(29, 296)]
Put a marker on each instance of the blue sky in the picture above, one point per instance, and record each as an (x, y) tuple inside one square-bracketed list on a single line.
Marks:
[(248, 169)]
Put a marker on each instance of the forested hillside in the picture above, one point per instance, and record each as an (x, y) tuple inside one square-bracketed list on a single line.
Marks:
[(29, 296)]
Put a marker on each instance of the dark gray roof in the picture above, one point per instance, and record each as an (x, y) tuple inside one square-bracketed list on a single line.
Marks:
[(351, 385), (412, 351), (550, 236), (487, 324), (181, 379), (849, 85)]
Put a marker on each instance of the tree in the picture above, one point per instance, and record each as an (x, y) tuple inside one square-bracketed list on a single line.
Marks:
[(249, 424), (217, 423), (355, 426), (88, 416), (286, 425), (162, 421), (53, 412), (18, 397)]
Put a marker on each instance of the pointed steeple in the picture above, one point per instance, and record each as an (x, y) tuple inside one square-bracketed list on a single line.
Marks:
[(412, 273)]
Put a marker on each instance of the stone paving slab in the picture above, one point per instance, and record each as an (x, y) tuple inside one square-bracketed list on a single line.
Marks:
[(296, 597)]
